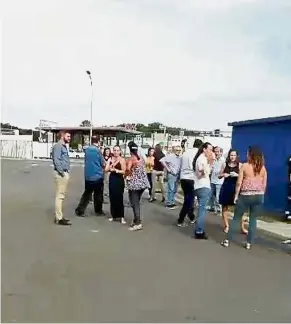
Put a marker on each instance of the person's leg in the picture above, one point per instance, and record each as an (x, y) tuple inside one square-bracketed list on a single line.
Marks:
[(154, 185), (211, 204), (121, 193), (84, 201), (106, 184), (61, 189), (203, 195), (225, 221), (161, 182), (171, 190), (149, 176), (119, 200), (175, 189), (240, 208), (98, 196), (187, 208), (134, 198), (244, 223), (190, 201), (137, 197), (216, 198), (101, 193), (112, 198), (255, 203), (183, 210)]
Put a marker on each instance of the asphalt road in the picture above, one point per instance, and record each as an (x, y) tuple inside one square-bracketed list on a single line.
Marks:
[(96, 271)]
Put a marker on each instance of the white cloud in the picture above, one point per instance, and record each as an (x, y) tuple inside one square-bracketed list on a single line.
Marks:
[(179, 62)]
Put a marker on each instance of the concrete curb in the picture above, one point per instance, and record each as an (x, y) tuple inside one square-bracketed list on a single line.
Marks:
[(283, 231)]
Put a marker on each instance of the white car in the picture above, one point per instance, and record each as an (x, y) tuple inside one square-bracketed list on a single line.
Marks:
[(73, 154)]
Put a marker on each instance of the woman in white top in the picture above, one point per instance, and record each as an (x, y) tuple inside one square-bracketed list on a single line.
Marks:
[(202, 168)]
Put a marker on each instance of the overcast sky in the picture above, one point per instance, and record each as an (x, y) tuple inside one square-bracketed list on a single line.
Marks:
[(190, 63)]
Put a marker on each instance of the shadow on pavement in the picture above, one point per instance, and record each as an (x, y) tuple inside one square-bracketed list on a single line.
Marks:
[(214, 231)]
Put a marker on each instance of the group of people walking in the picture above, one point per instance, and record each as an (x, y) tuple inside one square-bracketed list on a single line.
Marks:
[(202, 172)]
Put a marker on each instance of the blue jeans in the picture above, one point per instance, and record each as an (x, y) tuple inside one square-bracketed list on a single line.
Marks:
[(172, 189), (203, 196), (253, 204), (214, 199)]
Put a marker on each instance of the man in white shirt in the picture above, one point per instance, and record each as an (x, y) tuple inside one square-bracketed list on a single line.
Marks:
[(187, 183), (216, 182)]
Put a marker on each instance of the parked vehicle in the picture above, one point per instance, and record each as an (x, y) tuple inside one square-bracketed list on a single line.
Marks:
[(74, 154)]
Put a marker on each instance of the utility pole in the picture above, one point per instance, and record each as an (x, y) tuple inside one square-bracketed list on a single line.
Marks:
[(91, 107)]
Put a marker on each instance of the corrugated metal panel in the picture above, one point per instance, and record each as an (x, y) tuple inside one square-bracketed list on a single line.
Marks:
[(16, 149), (275, 142), (279, 119)]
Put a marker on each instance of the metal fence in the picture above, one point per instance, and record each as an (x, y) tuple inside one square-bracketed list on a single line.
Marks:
[(16, 149)]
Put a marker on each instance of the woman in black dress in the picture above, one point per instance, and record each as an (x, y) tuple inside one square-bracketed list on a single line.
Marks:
[(116, 166), (229, 172)]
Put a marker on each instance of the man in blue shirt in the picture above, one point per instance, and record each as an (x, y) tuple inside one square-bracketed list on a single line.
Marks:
[(94, 175), (61, 162)]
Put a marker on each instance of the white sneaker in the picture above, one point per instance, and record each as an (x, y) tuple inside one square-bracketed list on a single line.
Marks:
[(225, 243), (248, 246), (182, 224), (110, 219), (123, 221), (135, 227)]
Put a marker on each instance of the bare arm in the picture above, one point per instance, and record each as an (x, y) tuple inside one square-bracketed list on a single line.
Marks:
[(239, 182), (128, 167), (107, 166), (164, 163), (265, 176), (123, 167), (204, 169), (222, 174)]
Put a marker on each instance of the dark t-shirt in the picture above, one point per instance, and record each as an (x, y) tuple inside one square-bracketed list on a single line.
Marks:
[(157, 164)]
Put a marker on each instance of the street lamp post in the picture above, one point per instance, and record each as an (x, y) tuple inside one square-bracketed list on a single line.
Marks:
[(164, 128), (91, 107)]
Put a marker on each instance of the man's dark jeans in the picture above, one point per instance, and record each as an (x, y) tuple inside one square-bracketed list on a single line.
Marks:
[(95, 187), (188, 204)]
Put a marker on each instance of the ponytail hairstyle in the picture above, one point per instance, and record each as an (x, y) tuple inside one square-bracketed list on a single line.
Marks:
[(200, 151), (133, 148)]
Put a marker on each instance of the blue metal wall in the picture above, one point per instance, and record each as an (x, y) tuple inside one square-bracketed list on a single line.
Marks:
[(274, 139)]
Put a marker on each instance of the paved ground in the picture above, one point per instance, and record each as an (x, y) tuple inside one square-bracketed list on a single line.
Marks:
[(100, 272)]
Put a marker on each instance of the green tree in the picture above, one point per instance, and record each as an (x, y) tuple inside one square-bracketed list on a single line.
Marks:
[(85, 123)]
